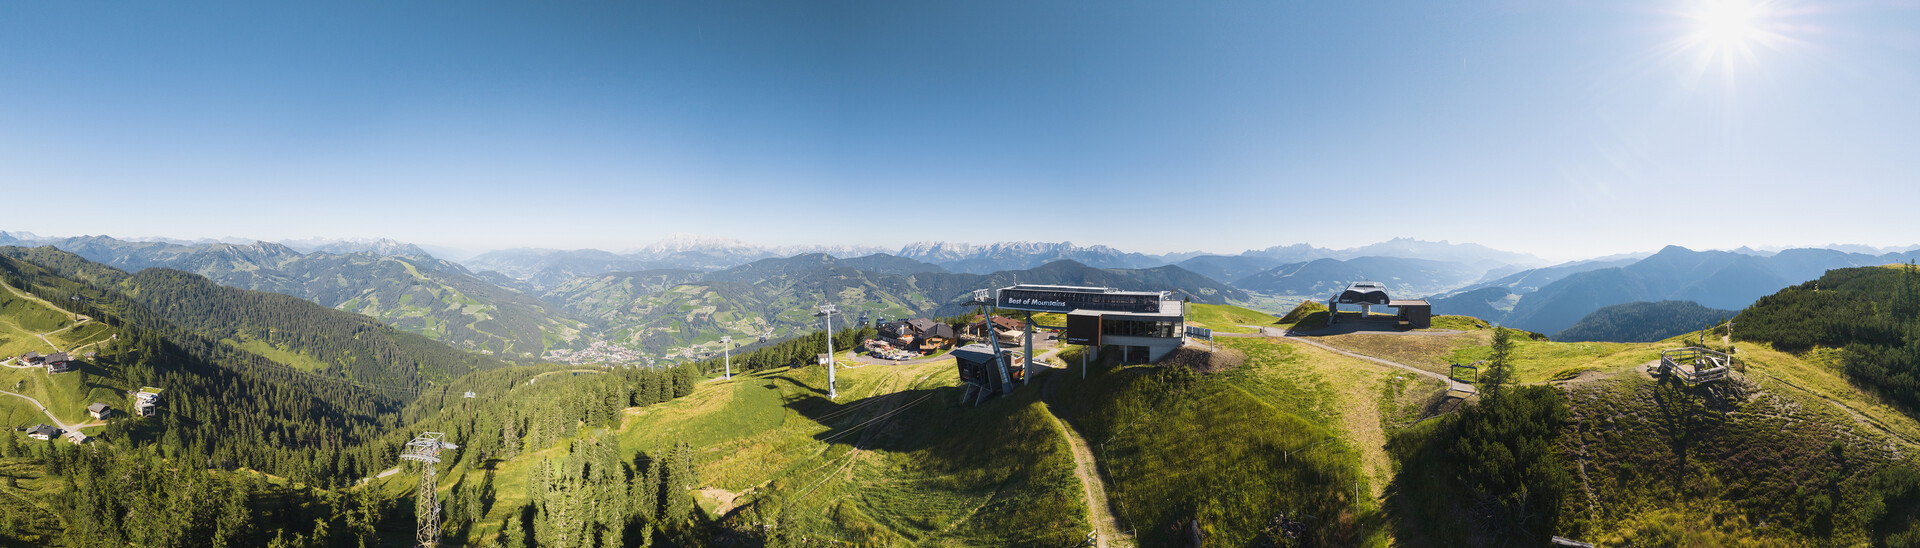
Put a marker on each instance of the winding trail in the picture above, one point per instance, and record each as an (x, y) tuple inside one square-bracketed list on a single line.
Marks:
[(43, 409), (1106, 527), (1452, 385)]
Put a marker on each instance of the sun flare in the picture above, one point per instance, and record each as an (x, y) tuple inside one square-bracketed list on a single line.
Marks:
[(1728, 23), (1726, 35)]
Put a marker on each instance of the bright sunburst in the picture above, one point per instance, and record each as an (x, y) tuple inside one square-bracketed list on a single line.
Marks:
[(1726, 32)]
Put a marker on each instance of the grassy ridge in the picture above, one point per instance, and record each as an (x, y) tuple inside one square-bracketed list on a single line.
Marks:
[(1223, 318), (1234, 449), (770, 449)]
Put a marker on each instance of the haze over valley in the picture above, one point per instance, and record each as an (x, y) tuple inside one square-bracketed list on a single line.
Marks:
[(941, 274)]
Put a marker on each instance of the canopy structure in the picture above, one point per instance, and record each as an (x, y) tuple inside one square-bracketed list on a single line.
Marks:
[(1364, 293)]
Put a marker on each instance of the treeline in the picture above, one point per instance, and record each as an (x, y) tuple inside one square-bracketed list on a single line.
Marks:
[(594, 497), (519, 410), (1643, 322), (223, 407), (136, 498), (353, 346), (1871, 313), (1487, 475)]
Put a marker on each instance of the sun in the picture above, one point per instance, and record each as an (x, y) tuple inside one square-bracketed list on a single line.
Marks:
[(1729, 32), (1728, 23)]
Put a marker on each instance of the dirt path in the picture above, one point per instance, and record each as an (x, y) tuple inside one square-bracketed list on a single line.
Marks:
[(1452, 385), (1106, 527), (43, 409)]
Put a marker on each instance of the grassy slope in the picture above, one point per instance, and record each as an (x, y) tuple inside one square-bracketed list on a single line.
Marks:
[(1667, 465), (1296, 430), (938, 475), (64, 394), (1227, 318)]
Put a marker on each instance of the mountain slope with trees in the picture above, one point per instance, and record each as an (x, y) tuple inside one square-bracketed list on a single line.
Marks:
[(415, 292), (1643, 322)]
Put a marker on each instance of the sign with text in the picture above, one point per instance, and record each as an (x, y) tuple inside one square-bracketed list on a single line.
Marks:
[(1082, 329), (1044, 300)]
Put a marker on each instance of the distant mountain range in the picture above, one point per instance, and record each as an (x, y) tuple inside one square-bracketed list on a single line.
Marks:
[(685, 291), (1724, 280), (776, 298), (412, 291)]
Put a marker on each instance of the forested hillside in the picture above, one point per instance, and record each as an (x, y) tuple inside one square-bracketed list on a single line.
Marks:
[(224, 405), (228, 410), (1871, 315), (414, 292), (1643, 322)]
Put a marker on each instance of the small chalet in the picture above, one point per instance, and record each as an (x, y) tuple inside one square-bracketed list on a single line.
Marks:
[(99, 410), (33, 358), (43, 432), (78, 438), (898, 333), (1007, 329), (918, 334), (59, 362)]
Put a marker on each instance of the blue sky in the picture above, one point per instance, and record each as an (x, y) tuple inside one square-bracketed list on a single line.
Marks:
[(1564, 129)]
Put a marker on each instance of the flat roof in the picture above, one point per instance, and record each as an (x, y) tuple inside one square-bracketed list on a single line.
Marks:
[(1168, 309), (1409, 302), (1079, 289), (1067, 298)]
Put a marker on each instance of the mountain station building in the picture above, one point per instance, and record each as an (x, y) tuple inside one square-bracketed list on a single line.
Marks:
[(1143, 325), (1410, 313)]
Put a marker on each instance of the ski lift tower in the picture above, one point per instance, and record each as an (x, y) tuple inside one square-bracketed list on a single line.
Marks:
[(983, 298), (726, 347), (827, 311), (426, 449)]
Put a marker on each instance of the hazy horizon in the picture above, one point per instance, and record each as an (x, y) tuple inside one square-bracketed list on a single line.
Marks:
[(1566, 131), (460, 253)]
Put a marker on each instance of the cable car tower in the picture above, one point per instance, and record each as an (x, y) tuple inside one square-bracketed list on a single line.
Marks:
[(827, 311), (426, 449), (983, 298)]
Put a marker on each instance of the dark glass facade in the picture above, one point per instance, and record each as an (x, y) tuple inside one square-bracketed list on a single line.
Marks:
[(1121, 327)]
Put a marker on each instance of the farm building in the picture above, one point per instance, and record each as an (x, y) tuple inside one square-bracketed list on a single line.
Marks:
[(32, 358), (99, 410), (43, 432), (78, 437), (59, 362)]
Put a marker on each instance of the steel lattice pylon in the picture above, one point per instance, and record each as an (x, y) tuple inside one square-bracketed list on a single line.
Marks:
[(426, 449)]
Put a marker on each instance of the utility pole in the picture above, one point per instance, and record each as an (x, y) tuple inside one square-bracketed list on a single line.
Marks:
[(826, 311), (726, 346), (426, 449)]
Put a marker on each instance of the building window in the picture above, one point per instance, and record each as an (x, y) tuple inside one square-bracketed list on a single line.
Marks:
[(1165, 329)]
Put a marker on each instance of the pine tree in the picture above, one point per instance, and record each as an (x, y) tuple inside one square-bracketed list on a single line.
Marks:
[(1500, 364)]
